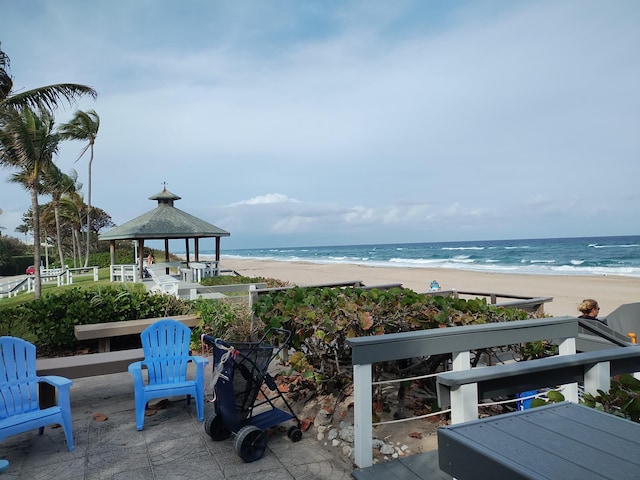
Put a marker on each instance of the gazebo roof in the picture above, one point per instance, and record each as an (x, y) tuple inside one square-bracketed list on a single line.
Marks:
[(164, 222)]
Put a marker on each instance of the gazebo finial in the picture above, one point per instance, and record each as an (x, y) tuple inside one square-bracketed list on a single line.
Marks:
[(164, 186)]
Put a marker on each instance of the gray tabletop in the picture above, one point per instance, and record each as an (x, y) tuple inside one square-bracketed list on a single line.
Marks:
[(558, 441)]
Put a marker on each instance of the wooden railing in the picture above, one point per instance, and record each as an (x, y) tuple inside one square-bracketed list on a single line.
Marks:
[(459, 342), (528, 304), (464, 389)]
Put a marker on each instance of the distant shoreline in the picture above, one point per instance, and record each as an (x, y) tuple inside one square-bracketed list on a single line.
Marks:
[(567, 290)]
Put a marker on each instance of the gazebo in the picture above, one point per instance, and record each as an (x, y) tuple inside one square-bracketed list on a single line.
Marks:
[(164, 222)]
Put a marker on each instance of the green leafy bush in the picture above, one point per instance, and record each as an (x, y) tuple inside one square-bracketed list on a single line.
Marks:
[(49, 321), (321, 319), (238, 279), (622, 399), (230, 321)]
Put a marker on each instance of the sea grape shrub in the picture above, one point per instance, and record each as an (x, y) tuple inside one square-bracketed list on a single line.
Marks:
[(622, 399), (321, 319)]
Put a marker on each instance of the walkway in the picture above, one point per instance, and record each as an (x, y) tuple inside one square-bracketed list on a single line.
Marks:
[(173, 445)]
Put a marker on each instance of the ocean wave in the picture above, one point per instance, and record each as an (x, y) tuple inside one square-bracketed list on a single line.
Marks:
[(580, 256), (464, 264), (630, 245)]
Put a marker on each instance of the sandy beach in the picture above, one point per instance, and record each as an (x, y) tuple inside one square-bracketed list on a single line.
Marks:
[(567, 290)]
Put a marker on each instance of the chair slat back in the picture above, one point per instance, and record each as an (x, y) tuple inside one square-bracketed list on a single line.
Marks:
[(166, 351), (18, 378)]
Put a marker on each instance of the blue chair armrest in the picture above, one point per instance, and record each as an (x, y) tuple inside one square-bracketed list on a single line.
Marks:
[(62, 384), (56, 381), (198, 359), (200, 364), (135, 369)]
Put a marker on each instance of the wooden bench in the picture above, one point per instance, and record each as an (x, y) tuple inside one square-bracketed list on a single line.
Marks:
[(105, 361), (103, 332), (89, 365)]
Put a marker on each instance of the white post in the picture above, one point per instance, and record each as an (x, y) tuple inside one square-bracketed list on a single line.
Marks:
[(570, 390), (464, 399), (597, 377), (362, 410)]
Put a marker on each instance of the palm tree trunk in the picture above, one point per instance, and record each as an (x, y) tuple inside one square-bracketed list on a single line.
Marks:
[(78, 247), (56, 214), (35, 209), (86, 260), (73, 244)]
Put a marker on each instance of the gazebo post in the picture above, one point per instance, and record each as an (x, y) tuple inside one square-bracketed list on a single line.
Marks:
[(196, 248), (217, 256), (141, 253), (186, 249), (112, 251)]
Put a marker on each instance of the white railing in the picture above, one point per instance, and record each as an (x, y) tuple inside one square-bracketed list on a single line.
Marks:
[(12, 287), (124, 273), (164, 284), (199, 270), (80, 271)]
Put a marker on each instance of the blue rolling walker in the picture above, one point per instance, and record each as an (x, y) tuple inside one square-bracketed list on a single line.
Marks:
[(239, 373)]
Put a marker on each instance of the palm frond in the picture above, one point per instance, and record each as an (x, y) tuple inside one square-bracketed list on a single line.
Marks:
[(48, 98)]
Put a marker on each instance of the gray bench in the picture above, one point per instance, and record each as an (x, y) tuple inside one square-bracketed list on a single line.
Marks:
[(89, 365), (105, 361), (103, 332)]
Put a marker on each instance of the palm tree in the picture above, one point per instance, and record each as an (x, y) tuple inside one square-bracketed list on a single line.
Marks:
[(57, 184), (84, 126), (28, 143), (41, 99), (72, 208), (23, 229)]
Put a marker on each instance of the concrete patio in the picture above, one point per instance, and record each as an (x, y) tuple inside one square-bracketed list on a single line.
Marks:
[(173, 444)]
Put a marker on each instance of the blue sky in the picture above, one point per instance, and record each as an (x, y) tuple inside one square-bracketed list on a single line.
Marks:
[(293, 123)]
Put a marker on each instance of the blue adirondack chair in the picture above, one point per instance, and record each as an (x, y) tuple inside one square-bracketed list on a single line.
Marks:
[(166, 357), (19, 407)]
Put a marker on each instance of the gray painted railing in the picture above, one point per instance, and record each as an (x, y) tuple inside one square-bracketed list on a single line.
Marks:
[(592, 369), (459, 341)]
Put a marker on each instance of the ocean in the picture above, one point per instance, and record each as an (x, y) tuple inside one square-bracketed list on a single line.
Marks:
[(549, 256)]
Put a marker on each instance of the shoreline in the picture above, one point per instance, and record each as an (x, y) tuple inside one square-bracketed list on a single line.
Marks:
[(567, 291)]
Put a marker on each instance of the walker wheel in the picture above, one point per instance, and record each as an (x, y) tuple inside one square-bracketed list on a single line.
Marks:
[(250, 443), (215, 428), (294, 433)]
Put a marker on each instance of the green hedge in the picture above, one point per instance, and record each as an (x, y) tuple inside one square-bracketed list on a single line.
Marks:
[(49, 322)]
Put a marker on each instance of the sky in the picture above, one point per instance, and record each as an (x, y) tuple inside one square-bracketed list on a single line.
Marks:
[(301, 123)]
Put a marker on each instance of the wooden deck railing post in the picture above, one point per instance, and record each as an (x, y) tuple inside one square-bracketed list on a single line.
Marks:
[(362, 426), (597, 377), (568, 347), (464, 400)]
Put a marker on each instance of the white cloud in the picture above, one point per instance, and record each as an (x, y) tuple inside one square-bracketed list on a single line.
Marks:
[(384, 121), (266, 199)]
